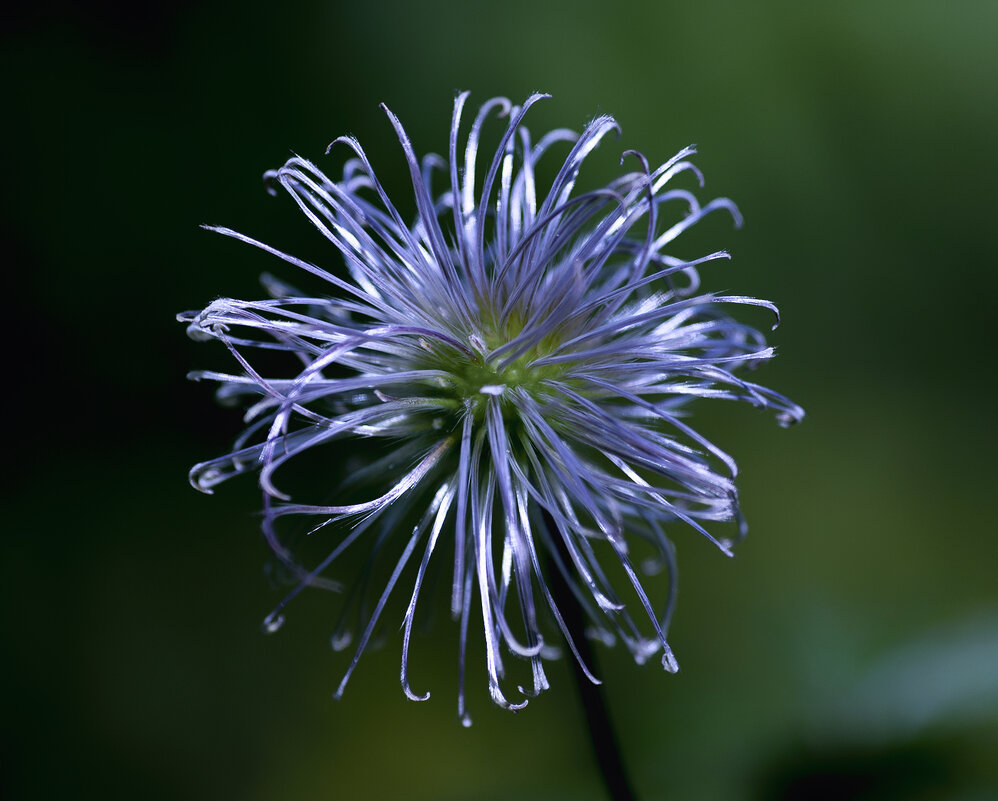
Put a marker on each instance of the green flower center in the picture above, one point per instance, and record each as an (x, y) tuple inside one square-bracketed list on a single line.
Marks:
[(473, 380)]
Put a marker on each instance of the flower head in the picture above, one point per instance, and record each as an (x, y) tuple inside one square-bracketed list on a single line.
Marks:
[(524, 355)]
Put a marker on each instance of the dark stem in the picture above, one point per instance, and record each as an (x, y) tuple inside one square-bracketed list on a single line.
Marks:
[(601, 733)]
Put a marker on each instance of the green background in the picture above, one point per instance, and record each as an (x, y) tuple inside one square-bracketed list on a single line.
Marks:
[(851, 648)]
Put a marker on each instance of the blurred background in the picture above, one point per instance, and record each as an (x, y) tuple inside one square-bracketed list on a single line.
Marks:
[(850, 651)]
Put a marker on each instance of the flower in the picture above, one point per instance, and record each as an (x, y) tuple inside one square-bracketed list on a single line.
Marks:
[(524, 357)]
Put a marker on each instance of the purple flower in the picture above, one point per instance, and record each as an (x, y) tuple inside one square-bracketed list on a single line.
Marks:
[(524, 356)]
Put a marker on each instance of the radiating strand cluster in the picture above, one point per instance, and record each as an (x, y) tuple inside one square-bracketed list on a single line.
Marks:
[(528, 355)]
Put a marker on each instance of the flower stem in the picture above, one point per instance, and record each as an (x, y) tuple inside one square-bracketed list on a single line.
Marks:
[(601, 733)]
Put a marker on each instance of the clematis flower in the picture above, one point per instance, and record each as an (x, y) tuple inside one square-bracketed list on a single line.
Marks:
[(525, 356)]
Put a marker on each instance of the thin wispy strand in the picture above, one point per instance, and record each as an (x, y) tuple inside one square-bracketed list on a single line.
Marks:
[(526, 356)]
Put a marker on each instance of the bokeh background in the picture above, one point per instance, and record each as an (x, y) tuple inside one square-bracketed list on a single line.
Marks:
[(849, 651)]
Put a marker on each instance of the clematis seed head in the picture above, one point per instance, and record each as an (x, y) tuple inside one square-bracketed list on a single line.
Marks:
[(526, 357)]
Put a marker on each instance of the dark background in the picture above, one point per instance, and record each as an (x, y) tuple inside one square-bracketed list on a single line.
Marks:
[(850, 651)]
